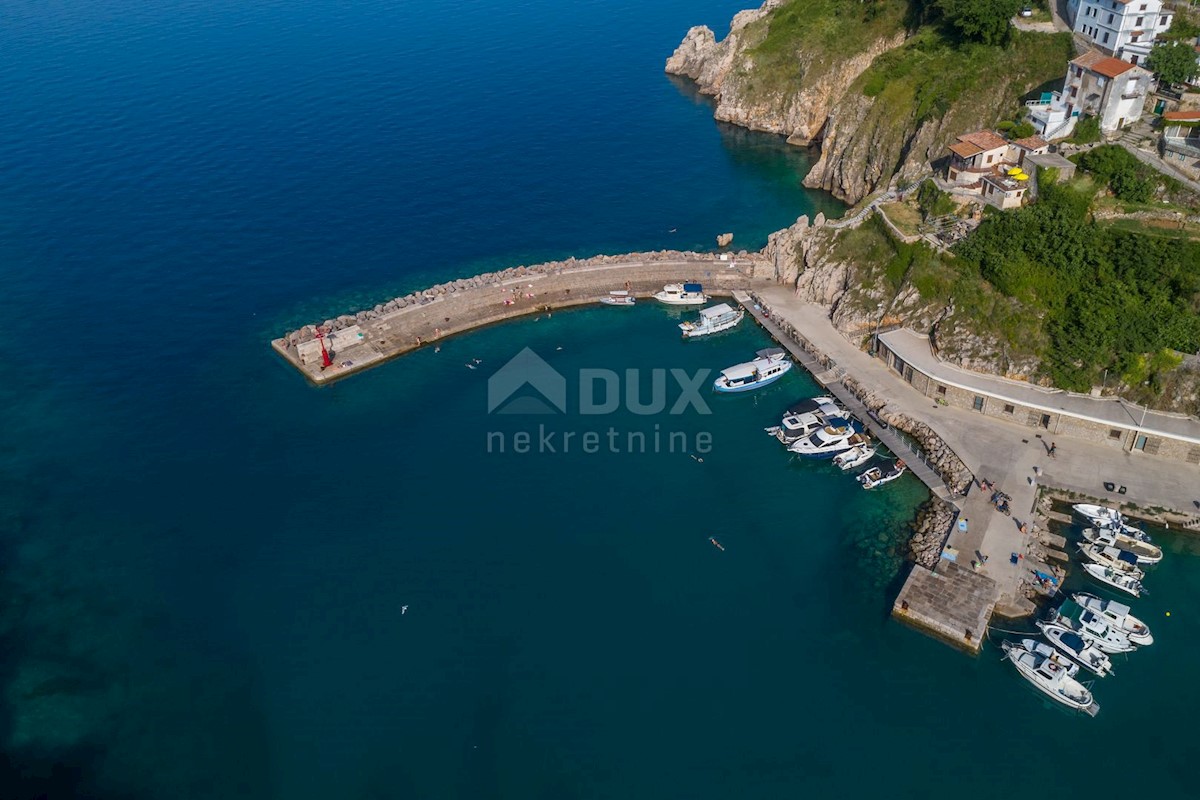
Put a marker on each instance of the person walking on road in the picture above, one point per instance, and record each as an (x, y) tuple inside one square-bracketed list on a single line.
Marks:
[(1053, 449)]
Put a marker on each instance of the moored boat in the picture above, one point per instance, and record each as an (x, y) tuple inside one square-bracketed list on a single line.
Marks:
[(806, 416), (1104, 517), (1092, 628), (1051, 675), (1118, 616), (682, 294), (878, 476), (1113, 558), (713, 319), (837, 436), (1145, 552), (1075, 647), (618, 298), (854, 457), (1118, 580), (771, 364)]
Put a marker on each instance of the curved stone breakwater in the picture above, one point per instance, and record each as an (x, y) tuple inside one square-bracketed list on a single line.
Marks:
[(369, 337)]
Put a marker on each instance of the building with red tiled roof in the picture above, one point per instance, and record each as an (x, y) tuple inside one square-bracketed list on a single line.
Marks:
[(1181, 140), (981, 163), (1096, 85)]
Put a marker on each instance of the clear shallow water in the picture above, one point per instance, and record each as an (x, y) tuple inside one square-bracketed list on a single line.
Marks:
[(204, 562)]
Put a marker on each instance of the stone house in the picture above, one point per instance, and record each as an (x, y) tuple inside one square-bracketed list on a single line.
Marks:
[(1181, 140), (986, 164), (1097, 85)]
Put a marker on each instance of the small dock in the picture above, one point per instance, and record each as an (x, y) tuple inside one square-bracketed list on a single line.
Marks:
[(951, 602), (831, 380)]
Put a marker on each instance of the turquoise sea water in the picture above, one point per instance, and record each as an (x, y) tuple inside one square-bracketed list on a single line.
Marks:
[(204, 563)]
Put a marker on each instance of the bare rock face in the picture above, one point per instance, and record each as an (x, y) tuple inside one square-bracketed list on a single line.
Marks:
[(709, 62), (724, 239)]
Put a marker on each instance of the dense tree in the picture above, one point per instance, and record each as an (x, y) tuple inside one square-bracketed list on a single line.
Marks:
[(985, 21), (1174, 62)]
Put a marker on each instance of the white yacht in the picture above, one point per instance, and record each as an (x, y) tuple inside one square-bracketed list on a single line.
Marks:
[(1052, 676), (878, 476), (854, 457), (1117, 615), (682, 294), (1074, 646), (618, 298), (771, 365), (837, 436), (1092, 628), (1145, 552), (806, 416), (713, 319), (1118, 580), (1104, 517), (1112, 558)]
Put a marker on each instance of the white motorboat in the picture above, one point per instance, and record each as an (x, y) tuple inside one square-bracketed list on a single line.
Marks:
[(1113, 558), (618, 298), (713, 319), (837, 436), (878, 476), (682, 294), (1117, 615), (1092, 628), (1118, 580), (771, 365), (1104, 517), (854, 457), (1074, 646), (806, 416), (1052, 676), (1145, 552)]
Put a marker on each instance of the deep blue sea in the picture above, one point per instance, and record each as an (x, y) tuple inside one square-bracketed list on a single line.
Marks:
[(219, 582)]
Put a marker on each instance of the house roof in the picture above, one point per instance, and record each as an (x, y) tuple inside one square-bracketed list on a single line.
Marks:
[(1088, 59), (965, 149), (1182, 116), (1110, 67), (1031, 143), (984, 140)]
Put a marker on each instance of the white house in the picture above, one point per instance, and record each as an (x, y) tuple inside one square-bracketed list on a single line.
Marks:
[(1122, 28), (1097, 85)]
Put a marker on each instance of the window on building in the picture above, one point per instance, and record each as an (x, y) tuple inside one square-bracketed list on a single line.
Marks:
[(942, 391), (1109, 20), (1139, 21), (1106, 37), (1113, 433), (977, 404), (1008, 408), (1139, 443)]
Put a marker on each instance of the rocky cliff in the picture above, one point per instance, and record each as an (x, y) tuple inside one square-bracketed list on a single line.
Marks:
[(882, 101)]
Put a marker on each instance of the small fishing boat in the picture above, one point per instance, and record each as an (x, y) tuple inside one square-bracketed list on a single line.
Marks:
[(771, 365), (837, 436), (618, 298), (854, 457), (1075, 647), (1103, 517), (713, 319), (716, 544), (1052, 676), (682, 294), (1092, 628), (1113, 558), (806, 416), (1145, 552), (1118, 580), (1117, 615), (878, 476)]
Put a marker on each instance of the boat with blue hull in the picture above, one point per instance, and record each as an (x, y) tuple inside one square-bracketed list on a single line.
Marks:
[(771, 365)]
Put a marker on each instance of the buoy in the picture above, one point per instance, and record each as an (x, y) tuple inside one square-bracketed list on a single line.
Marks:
[(1168, 613)]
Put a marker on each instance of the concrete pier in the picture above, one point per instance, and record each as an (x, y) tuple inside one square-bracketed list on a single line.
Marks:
[(367, 339)]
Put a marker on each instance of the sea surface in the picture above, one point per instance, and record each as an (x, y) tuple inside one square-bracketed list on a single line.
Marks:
[(219, 582)]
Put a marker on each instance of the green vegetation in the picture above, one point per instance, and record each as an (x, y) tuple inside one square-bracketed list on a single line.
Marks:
[(983, 21), (1087, 130), (932, 201), (1173, 62), (1108, 297), (1128, 178), (1184, 27)]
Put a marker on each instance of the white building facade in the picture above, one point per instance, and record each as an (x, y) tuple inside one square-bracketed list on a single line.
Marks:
[(1096, 85), (1122, 28)]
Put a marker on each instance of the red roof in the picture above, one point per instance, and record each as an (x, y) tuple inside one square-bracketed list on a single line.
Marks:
[(966, 149), (1031, 143), (984, 140), (1111, 67), (1183, 116)]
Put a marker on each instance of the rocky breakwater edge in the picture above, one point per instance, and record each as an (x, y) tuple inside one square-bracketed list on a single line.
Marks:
[(356, 341)]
